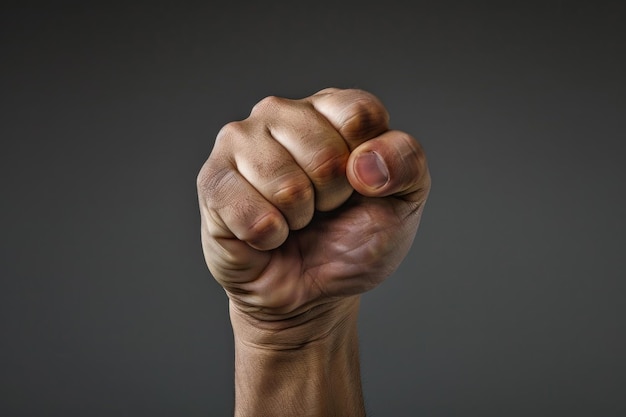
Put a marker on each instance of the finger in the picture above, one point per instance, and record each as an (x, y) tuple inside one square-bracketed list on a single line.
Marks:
[(230, 260), (272, 171), (313, 143), (356, 114), (392, 164), (233, 208)]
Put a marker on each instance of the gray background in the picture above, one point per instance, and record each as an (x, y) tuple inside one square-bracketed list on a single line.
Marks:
[(511, 302)]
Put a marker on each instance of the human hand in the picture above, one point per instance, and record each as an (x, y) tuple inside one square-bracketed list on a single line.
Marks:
[(306, 204)]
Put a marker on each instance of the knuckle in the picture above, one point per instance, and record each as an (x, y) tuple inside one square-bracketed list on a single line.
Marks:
[(326, 165), (418, 153), (266, 229), (268, 167), (293, 194), (268, 105), (364, 116), (217, 172), (215, 184), (231, 130), (414, 159), (328, 90), (411, 152)]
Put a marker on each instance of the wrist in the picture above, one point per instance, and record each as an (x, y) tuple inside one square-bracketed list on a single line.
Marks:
[(318, 324), (306, 365)]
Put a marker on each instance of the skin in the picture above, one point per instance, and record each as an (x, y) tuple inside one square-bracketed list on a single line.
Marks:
[(305, 205)]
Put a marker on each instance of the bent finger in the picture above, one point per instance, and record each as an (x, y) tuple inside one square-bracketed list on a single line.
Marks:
[(233, 208), (272, 171), (356, 114)]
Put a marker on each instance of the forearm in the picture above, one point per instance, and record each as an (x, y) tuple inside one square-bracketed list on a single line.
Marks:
[(310, 368)]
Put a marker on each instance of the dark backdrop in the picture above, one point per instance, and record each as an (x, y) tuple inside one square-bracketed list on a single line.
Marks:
[(512, 301)]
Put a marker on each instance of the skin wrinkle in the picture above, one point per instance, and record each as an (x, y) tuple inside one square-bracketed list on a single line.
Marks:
[(363, 120), (232, 253), (267, 277), (325, 166), (266, 224), (289, 198), (410, 156), (320, 313), (217, 181), (228, 263)]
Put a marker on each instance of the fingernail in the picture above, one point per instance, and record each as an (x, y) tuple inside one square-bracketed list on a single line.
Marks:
[(371, 170)]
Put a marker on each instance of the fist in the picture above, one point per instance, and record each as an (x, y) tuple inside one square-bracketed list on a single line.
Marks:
[(308, 202)]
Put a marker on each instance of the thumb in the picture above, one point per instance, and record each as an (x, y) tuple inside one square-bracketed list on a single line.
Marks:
[(393, 163)]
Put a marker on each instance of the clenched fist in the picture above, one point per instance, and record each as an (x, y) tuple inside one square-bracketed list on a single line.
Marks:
[(305, 205)]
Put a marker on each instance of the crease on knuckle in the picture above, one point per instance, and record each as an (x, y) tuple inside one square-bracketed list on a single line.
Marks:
[(364, 117), (217, 185), (412, 158), (217, 173), (229, 262), (415, 163), (292, 194), (327, 165), (418, 157), (263, 229)]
